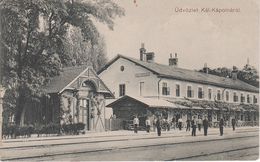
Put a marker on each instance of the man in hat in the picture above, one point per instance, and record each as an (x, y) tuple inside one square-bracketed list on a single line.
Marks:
[(205, 126)]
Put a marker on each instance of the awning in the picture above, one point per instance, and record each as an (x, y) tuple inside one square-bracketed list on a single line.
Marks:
[(149, 102)]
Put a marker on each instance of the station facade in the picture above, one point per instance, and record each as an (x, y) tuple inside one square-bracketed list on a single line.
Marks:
[(192, 92)]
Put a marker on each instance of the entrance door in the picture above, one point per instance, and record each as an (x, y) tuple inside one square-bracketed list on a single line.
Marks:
[(87, 126)]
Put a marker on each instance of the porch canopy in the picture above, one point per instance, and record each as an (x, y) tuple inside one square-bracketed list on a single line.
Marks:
[(146, 102)]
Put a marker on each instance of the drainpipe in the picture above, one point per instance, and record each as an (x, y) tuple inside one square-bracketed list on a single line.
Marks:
[(159, 87)]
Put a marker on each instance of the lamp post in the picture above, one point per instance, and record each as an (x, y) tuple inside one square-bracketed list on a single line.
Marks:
[(2, 93)]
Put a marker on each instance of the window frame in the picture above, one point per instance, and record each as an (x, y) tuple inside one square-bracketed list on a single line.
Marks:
[(235, 96), (165, 89), (202, 92), (211, 93), (177, 90), (242, 98), (191, 91), (218, 95), (141, 87), (227, 96), (122, 89)]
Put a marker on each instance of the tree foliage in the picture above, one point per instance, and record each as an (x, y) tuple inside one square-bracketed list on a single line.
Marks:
[(34, 41), (248, 74)]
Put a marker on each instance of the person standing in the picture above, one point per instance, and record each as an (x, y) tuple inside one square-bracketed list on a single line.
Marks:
[(199, 123), (158, 126), (205, 126), (168, 125), (221, 125), (188, 124), (154, 124), (233, 122), (173, 122), (148, 125), (136, 123), (194, 126), (180, 123)]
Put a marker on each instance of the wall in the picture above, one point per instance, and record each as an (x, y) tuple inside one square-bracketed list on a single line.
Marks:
[(183, 86), (113, 76), (131, 77)]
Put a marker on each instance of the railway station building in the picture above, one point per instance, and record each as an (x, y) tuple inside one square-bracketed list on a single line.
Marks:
[(136, 83)]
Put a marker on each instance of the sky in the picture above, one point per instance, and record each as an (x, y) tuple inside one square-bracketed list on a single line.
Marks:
[(218, 39)]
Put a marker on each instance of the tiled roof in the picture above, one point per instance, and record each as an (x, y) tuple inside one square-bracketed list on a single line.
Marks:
[(166, 71), (67, 75), (150, 102)]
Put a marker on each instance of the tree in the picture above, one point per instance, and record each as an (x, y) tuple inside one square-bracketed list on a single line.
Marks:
[(82, 52), (33, 41), (248, 74)]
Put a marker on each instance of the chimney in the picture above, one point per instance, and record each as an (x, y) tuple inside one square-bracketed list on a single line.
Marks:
[(150, 56), (234, 73), (142, 53), (173, 61), (205, 69)]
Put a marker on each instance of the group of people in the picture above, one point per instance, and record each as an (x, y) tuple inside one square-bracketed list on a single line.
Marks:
[(193, 124)]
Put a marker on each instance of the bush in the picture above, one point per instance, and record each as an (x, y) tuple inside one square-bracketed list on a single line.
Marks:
[(13, 131), (73, 128)]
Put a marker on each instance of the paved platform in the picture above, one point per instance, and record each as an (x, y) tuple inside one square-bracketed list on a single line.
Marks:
[(116, 140), (174, 132)]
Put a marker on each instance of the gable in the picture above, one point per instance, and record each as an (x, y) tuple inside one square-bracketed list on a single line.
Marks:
[(73, 78)]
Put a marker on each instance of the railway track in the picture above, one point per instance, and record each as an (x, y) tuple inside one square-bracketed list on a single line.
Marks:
[(169, 135), (213, 153), (134, 147)]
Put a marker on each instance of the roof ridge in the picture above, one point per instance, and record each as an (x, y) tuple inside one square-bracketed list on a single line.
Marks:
[(74, 67), (197, 72)]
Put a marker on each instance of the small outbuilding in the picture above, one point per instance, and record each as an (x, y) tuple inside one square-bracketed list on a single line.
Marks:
[(77, 95)]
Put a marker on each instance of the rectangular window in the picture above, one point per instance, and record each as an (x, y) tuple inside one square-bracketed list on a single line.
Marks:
[(235, 97), (177, 90), (200, 93), (227, 96), (242, 98), (141, 88), (165, 89), (209, 94), (248, 98), (189, 92), (121, 90), (255, 99), (218, 95)]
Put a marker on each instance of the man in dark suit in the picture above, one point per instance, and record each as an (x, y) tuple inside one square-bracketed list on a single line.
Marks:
[(194, 126), (233, 122), (205, 126), (159, 126), (221, 126)]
